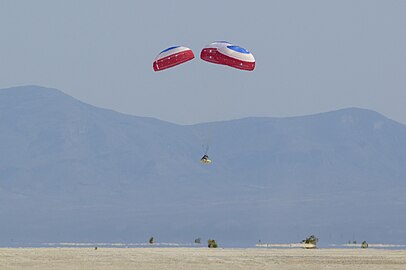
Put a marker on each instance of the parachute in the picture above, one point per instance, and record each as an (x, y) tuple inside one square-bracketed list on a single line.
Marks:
[(225, 53), (218, 52), (171, 57), (210, 52)]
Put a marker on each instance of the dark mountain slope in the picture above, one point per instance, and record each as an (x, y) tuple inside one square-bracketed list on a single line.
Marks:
[(73, 172)]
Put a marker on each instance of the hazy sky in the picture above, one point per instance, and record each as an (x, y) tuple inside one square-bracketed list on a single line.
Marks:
[(312, 56)]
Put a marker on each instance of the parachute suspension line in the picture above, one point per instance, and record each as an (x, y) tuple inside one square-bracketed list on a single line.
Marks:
[(206, 148)]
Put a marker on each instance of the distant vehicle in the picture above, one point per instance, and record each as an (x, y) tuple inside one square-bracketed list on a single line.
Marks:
[(171, 57), (211, 243), (310, 242)]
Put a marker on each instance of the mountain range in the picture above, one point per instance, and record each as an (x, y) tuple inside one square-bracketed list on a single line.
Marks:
[(72, 172)]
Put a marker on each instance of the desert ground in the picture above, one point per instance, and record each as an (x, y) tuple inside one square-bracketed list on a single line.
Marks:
[(199, 258)]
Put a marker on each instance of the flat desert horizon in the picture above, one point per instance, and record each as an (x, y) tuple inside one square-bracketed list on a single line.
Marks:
[(200, 258)]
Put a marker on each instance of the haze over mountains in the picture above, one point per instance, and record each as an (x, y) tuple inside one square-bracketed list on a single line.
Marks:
[(71, 172)]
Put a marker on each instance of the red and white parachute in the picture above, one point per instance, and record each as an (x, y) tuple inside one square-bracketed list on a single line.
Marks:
[(171, 57), (210, 52), (225, 53), (219, 52)]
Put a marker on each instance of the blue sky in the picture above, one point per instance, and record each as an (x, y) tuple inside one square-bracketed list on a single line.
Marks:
[(312, 56)]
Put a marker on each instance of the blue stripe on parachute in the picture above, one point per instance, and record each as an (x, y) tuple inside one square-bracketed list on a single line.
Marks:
[(170, 48), (238, 49)]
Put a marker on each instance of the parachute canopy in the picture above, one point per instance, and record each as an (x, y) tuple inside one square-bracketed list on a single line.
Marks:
[(171, 57), (209, 53), (225, 53)]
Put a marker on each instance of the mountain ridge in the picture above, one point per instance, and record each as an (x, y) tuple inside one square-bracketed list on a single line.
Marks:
[(40, 90), (74, 172)]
